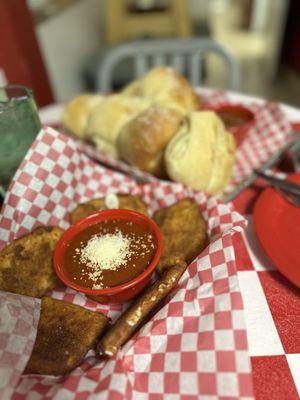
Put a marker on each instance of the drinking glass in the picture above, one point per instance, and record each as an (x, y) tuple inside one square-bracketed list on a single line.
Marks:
[(19, 125)]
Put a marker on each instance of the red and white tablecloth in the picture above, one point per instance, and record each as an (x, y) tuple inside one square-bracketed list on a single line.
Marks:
[(271, 303), (272, 314)]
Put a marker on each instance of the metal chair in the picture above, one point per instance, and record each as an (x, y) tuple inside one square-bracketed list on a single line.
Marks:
[(181, 54)]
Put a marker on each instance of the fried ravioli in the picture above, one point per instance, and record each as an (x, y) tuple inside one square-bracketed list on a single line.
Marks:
[(184, 232), (129, 202), (65, 334), (26, 264)]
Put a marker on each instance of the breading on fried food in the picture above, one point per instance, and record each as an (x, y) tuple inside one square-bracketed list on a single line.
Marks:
[(134, 316), (126, 201), (65, 334), (184, 232), (26, 264)]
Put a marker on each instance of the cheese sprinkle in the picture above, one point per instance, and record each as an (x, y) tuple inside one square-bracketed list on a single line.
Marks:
[(104, 252)]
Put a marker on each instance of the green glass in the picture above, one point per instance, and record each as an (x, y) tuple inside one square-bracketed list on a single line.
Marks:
[(19, 125)]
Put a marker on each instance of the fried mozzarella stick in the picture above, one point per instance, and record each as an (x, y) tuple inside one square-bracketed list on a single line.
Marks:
[(128, 322)]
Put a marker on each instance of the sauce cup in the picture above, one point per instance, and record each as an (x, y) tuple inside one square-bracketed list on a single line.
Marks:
[(237, 119), (115, 294)]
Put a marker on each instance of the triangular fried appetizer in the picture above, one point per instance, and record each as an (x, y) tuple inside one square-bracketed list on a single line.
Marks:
[(125, 201), (26, 264), (184, 232), (65, 334)]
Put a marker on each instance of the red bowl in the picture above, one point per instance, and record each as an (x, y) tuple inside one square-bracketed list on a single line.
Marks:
[(243, 117), (122, 292)]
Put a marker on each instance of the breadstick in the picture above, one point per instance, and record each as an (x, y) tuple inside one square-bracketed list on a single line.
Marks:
[(128, 322)]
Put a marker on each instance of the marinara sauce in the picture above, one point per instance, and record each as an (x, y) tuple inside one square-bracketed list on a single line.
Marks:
[(234, 119), (109, 253)]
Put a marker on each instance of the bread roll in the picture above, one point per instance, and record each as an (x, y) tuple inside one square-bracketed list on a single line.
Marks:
[(201, 154), (142, 140), (133, 88), (76, 111), (165, 86), (106, 120)]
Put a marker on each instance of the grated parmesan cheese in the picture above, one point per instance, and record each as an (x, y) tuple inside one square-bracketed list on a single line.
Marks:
[(111, 201), (105, 252)]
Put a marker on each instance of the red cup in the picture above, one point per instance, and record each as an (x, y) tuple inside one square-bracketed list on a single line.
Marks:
[(245, 118), (122, 292)]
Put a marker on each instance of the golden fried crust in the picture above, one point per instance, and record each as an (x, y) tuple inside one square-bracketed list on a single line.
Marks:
[(128, 322), (26, 264), (65, 333), (142, 141), (184, 232), (129, 202)]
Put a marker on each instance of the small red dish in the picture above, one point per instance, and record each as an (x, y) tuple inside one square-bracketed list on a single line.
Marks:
[(114, 294), (237, 119), (277, 226)]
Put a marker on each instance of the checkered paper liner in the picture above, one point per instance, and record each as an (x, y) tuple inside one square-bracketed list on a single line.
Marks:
[(271, 132), (19, 316), (194, 347)]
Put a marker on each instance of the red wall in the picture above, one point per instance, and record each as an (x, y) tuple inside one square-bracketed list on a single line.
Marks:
[(20, 55), (291, 45)]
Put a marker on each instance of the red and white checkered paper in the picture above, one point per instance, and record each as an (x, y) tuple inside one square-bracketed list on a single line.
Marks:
[(194, 347), (271, 132), (19, 316)]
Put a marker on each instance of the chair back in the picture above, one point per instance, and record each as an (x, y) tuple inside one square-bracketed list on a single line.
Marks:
[(181, 54)]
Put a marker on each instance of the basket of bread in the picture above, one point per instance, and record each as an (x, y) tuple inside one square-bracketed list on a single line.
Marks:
[(158, 125), (60, 340)]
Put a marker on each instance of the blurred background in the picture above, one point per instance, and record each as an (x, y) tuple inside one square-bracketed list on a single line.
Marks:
[(57, 46)]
